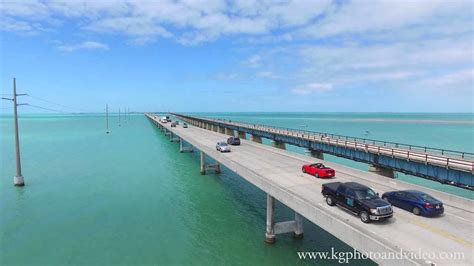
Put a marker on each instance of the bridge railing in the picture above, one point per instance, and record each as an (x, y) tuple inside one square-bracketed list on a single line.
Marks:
[(388, 144)]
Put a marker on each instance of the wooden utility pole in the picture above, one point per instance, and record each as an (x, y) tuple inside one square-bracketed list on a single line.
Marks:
[(107, 118), (18, 180)]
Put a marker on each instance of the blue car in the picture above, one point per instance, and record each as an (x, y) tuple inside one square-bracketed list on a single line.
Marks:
[(415, 201)]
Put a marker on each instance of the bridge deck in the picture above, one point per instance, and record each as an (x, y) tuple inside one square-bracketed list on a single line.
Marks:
[(278, 173), (445, 158)]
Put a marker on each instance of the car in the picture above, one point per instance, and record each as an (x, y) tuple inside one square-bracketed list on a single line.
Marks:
[(222, 147), (185, 125), (163, 120), (318, 170), (168, 119), (417, 202), (357, 199), (233, 141), (173, 124)]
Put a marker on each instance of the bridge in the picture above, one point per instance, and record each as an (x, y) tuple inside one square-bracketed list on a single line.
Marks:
[(446, 166), (277, 173)]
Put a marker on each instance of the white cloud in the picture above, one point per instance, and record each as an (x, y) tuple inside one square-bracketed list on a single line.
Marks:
[(7, 24), (299, 12), (383, 62), (364, 16), (253, 61), (267, 74), (31, 9), (313, 88), (452, 80), (134, 26), (196, 20), (89, 45)]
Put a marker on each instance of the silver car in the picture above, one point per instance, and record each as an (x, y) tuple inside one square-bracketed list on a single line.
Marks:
[(222, 147)]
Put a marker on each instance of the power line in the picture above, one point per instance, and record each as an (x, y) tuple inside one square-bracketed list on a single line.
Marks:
[(58, 104), (47, 109)]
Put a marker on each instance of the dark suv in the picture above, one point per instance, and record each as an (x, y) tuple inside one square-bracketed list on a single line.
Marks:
[(358, 199), (233, 141)]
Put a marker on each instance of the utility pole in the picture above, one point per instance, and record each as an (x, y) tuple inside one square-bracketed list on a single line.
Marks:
[(18, 179), (119, 116), (107, 119)]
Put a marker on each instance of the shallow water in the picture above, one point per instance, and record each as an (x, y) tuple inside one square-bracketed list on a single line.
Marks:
[(130, 197)]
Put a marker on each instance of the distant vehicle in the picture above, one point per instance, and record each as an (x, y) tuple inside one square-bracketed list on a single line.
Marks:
[(185, 125), (163, 120), (417, 202), (357, 199), (222, 147), (168, 118), (233, 141), (173, 124), (318, 170)]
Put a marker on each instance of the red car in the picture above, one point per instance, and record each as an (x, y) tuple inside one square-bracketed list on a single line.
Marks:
[(318, 170)]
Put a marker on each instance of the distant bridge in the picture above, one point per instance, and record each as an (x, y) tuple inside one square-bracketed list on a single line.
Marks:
[(446, 166)]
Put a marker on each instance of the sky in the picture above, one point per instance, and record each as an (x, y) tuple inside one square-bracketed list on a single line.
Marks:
[(238, 56)]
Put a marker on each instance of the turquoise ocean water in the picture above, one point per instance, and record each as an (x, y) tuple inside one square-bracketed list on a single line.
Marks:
[(131, 198)]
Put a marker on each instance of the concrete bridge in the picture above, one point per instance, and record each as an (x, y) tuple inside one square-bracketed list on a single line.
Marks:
[(446, 166), (277, 173)]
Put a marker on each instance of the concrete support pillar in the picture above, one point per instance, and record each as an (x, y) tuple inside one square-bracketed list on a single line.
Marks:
[(241, 135), (205, 167), (182, 148), (214, 128), (269, 232), (272, 229), (298, 233), (382, 171), (315, 154), (174, 138), (222, 130), (229, 132), (209, 126), (279, 145), (255, 138), (203, 163)]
